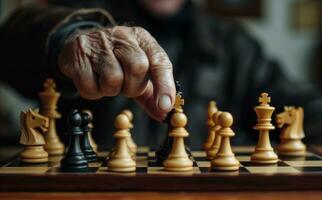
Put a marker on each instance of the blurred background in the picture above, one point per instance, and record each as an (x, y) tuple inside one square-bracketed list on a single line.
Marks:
[(288, 30)]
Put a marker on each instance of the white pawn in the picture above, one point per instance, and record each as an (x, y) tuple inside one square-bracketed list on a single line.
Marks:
[(129, 140), (178, 159), (212, 109), (121, 160), (225, 159), (211, 153)]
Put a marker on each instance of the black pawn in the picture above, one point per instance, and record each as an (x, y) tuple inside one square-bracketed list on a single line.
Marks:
[(87, 149), (74, 159)]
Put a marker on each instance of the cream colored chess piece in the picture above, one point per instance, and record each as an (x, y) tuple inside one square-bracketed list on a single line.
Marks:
[(292, 133), (264, 153), (212, 109), (90, 137), (33, 140), (211, 153), (225, 159), (178, 159), (129, 140), (49, 98), (121, 161)]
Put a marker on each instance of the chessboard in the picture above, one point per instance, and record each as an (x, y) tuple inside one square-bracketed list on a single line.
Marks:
[(290, 173)]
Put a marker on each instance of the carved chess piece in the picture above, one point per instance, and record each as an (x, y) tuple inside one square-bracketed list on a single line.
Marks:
[(74, 159), (178, 159), (212, 109), (211, 153), (49, 98), (164, 150), (292, 133), (129, 140), (91, 127), (225, 159), (87, 149), (121, 161), (264, 153), (33, 126)]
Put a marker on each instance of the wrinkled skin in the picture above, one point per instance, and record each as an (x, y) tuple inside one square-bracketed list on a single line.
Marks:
[(120, 60)]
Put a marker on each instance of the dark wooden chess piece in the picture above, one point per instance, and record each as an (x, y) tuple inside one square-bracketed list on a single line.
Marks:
[(162, 153), (87, 149), (74, 159)]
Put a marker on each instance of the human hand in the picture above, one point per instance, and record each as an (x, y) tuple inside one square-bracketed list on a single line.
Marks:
[(120, 60)]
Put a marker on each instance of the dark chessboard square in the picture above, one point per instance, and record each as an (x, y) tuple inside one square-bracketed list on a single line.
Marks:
[(141, 170), (154, 164), (292, 158), (242, 170), (204, 169), (152, 158), (141, 154), (310, 169), (250, 164), (242, 153), (201, 159)]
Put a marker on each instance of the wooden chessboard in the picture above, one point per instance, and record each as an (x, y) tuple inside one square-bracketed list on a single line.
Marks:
[(289, 174)]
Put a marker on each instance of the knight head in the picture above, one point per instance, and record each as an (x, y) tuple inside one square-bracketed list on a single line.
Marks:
[(285, 118), (37, 120)]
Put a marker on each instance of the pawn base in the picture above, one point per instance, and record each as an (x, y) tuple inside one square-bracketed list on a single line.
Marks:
[(74, 162), (90, 156), (291, 147), (225, 163), (55, 149), (121, 165), (264, 157), (34, 154), (178, 164), (211, 154)]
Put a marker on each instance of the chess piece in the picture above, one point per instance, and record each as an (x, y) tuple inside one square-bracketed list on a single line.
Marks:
[(87, 149), (212, 109), (211, 153), (91, 126), (74, 159), (164, 150), (225, 159), (49, 98), (264, 153), (129, 140), (33, 125), (178, 159), (292, 133), (121, 161)]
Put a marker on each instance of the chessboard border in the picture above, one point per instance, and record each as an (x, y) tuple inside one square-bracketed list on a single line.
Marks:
[(160, 182)]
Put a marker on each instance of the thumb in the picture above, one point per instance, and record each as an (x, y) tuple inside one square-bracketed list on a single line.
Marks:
[(162, 91)]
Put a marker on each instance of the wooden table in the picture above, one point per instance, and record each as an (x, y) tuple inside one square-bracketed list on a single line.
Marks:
[(307, 195)]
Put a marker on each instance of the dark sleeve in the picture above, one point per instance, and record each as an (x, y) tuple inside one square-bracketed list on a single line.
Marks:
[(255, 73), (25, 39)]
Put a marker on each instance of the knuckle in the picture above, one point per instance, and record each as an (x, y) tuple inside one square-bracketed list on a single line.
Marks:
[(112, 80), (139, 68)]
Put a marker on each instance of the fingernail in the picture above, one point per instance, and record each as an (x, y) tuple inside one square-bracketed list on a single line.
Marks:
[(164, 103)]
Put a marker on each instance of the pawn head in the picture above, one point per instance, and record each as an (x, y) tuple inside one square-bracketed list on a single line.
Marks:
[(128, 113), (179, 120), (86, 118), (74, 119), (225, 119), (122, 122), (215, 117)]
